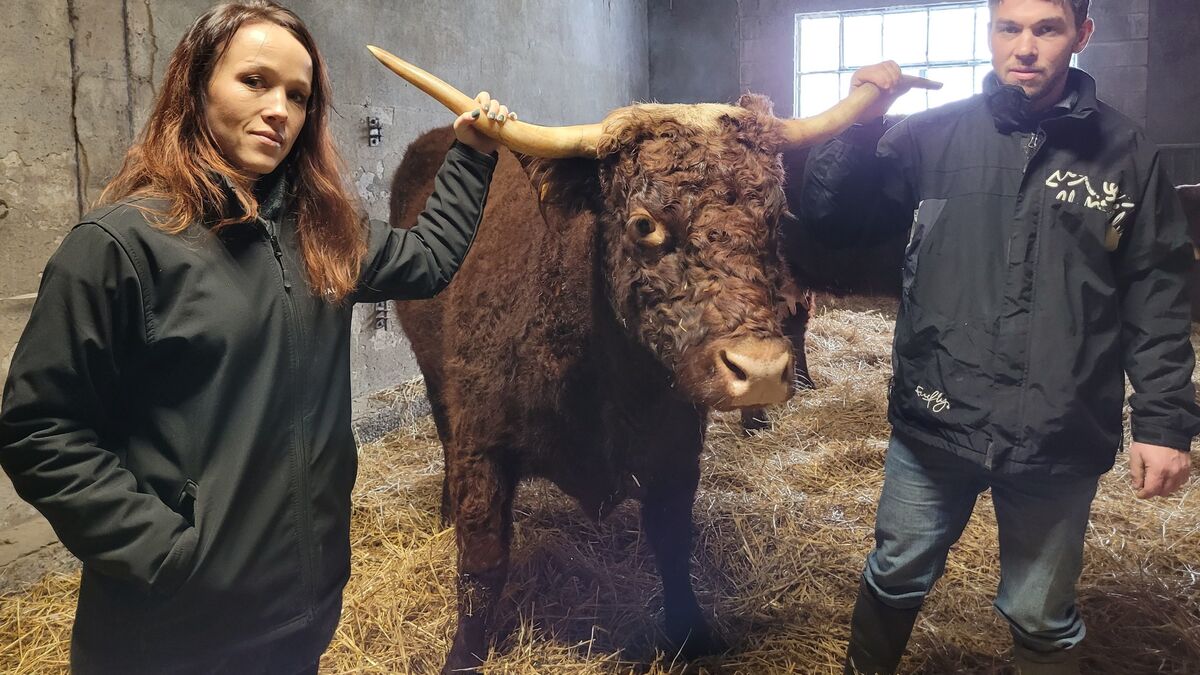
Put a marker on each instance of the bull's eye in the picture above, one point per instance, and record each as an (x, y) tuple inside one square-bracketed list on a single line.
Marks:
[(648, 232)]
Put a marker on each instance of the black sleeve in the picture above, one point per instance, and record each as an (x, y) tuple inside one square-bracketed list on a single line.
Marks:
[(1156, 318), (59, 428), (859, 188), (419, 262)]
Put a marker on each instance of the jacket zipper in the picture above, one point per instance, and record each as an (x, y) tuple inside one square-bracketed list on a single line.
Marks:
[(1031, 150), (302, 488), (287, 285)]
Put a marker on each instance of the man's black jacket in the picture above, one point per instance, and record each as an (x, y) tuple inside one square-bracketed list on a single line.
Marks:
[(1046, 260)]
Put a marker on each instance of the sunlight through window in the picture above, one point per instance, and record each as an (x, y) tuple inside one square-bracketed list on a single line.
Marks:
[(944, 42)]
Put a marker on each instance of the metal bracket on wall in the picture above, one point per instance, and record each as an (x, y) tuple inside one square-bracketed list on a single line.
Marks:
[(381, 315), (374, 131)]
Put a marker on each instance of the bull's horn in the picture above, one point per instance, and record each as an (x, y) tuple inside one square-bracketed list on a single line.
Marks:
[(530, 139), (799, 133)]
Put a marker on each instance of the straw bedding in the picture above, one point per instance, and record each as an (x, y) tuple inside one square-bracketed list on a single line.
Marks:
[(783, 519)]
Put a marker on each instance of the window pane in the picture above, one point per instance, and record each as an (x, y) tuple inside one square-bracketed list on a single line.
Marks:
[(981, 72), (983, 49), (914, 100), (844, 84), (864, 40), (818, 93), (904, 36), (958, 83), (952, 34), (820, 44), (947, 41)]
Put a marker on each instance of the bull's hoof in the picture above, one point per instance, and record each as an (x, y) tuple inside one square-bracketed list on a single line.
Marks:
[(463, 660), (698, 641), (755, 420), (468, 665)]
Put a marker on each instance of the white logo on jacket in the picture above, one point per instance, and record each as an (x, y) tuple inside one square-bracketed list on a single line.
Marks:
[(1111, 201), (934, 400)]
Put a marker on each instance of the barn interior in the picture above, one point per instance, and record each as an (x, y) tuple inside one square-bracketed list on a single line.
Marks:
[(784, 517)]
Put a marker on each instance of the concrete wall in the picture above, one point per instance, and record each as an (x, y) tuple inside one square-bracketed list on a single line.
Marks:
[(1173, 82), (77, 78), (1118, 56), (693, 50), (1173, 86)]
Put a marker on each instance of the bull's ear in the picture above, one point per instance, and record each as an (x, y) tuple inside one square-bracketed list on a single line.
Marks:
[(757, 103), (571, 185)]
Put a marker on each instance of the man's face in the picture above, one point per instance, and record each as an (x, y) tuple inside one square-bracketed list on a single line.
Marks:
[(1032, 44), (258, 97)]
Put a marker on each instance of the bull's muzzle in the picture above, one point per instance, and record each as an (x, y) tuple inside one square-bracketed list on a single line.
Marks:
[(754, 372)]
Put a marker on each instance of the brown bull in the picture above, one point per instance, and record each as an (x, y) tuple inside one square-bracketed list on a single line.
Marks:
[(609, 302)]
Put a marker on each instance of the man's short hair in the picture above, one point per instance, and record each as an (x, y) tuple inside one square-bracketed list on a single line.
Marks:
[(1078, 7)]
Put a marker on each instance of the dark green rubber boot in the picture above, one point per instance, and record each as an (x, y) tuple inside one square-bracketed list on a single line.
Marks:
[(878, 635), (1032, 662)]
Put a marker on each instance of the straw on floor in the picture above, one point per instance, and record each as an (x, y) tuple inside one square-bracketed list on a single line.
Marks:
[(783, 522)]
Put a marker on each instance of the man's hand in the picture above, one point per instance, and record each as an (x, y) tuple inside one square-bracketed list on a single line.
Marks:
[(1157, 471), (892, 85), (490, 111)]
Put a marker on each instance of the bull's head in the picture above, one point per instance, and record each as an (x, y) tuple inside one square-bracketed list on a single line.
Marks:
[(689, 198)]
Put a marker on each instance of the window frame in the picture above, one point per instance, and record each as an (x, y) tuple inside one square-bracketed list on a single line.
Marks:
[(843, 69)]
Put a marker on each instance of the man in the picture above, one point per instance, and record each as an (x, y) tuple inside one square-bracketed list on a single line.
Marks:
[(1046, 260)]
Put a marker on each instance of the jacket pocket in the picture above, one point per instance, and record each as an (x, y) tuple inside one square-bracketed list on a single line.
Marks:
[(927, 214), (186, 502)]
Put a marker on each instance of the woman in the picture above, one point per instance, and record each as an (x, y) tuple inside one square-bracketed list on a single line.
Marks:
[(178, 407)]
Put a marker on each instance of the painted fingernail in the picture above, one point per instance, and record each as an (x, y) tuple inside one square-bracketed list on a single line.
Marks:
[(491, 116), (500, 118), (475, 115)]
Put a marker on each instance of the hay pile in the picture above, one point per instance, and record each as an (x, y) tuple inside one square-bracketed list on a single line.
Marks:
[(784, 521)]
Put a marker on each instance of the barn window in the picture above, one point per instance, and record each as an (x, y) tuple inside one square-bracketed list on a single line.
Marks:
[(944, 42)]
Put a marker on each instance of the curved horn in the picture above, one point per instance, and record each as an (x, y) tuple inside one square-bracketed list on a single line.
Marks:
[(799, 133), (530, 139)]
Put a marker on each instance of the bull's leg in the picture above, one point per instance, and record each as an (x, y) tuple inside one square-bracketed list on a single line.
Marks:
[(667, 518), (442, 422), (795, 326), (481, 494)]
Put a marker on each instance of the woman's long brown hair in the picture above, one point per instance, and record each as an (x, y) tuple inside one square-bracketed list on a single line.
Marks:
[(176, 157)]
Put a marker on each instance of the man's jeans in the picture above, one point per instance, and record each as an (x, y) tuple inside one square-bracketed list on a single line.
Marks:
[(928, 495)]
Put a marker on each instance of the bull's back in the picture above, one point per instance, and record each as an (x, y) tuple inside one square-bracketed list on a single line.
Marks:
[(480, 312)]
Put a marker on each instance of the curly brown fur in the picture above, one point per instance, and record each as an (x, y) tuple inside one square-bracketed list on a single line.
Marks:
[(569, 347), (711, 175)]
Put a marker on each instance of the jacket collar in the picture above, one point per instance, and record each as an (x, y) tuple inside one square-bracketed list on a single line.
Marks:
[(272, 192), (1009, 104)]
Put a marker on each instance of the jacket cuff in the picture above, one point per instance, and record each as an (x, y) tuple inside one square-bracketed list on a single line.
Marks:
[(177, 566), (473, 155), (1155, 435), (865, 135)]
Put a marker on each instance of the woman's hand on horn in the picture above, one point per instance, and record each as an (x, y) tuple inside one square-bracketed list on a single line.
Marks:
[(489, 115), (892, 84)]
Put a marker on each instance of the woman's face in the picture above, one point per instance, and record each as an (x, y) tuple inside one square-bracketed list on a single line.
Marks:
[(258, 97)]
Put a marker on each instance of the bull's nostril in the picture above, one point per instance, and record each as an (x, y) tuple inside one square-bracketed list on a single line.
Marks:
[(738, 373)]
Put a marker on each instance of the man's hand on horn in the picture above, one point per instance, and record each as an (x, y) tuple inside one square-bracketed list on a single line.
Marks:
[(892, 84), (490, 111)]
